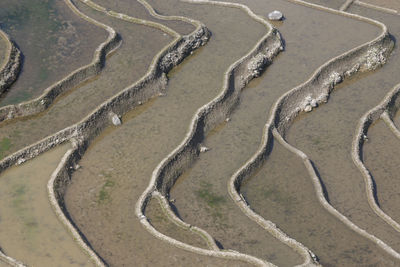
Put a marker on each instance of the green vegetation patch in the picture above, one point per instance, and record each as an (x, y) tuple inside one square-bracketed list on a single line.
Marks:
[(213, 200), (104, 193), (5, 145)]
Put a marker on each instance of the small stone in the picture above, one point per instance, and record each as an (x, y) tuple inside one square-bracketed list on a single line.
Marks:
[(20, 161), (313, 103), (228, 119), (275, 15), (203, 149), (308, 108), (77, 166), (115, 119)]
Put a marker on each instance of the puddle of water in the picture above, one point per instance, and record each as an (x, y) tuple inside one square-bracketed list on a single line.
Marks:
[(381, 157), (131, 152), (29, 228), (236, 141), (53, 40), (163, 224), (140, 44), (326, 135), (135, 9)]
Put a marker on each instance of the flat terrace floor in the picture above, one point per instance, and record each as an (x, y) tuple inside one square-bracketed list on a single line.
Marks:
[(53, 40), (118, 165), (128, 154)]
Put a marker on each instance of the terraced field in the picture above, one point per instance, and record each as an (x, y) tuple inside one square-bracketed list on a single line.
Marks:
[(199, 133)]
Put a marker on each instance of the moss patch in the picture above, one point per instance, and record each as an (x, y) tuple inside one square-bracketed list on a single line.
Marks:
[(205, 193), (104, 195), (5, 145)]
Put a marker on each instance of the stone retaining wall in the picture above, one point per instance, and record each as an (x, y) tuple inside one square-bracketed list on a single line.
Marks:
[(83, 132), (76, 77), (205, 119), (11, 66), (366, 57)]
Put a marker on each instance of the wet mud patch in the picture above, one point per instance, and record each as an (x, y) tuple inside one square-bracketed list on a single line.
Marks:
[(53, 40), (30, 230)]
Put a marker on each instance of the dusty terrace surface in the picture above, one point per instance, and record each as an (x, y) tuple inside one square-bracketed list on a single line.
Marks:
[(199, 133)]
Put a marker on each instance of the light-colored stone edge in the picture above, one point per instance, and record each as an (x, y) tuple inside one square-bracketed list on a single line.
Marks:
[(206, 118), (61, 174), (11, 66), (42, 102), (346, 5), (292, 103), (382, 110), (389, 122), (88, 128), (379, 8)]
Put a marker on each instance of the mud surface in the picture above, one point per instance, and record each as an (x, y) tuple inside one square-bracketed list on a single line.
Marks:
[(326, 135), (117, 167), (393, 4), (30, 231), (202, 190), (54, 41), (381, 156), (3, 51), (125, 66), (129, 153), (137, 10)]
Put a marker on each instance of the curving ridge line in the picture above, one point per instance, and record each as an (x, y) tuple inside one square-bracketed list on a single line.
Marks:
[(379, 8), (42, 102), (365, 57), (10, 261), (11, 67), (384, 111), (389, 122), (83, 132), (206, 118)]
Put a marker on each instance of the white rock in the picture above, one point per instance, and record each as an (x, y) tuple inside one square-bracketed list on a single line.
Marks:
[(275, 15), (115, 119), (308, 108), (313, 103), (20, 161), (203, 149), (228, 119)]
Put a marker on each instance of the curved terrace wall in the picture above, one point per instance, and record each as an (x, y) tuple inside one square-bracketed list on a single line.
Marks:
[(11, 67), (83, 132), (205, 119), (385, 111), (42, 102), (366, 57)]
